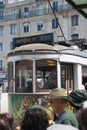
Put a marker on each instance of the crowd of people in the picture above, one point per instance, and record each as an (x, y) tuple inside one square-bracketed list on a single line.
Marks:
[(61, 117)]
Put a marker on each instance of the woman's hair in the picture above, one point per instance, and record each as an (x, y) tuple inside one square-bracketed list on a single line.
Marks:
[(4, 125), (9, 117), (35, 119)]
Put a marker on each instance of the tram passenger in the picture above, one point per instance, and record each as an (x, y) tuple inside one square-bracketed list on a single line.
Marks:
[(59, 102), (76, 99), (35, 118), (51, 81)]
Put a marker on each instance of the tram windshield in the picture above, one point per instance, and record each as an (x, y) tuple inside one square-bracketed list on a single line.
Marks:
[(46, 74), (29, 75), (38, 75)]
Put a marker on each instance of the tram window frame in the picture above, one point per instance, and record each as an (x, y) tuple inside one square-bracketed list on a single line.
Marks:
[(63, 76), (84, 75), (10, 76), (45, 70)]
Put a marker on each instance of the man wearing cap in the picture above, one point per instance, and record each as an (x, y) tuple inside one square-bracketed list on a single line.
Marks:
[(59, 102)]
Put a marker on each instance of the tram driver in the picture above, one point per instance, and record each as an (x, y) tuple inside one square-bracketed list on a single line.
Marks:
[(50, 81)]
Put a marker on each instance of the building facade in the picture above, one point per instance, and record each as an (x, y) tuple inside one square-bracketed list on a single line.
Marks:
[(30, 18)]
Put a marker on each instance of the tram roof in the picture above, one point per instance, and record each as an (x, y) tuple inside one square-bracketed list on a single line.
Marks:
[(38, 47), (45, 48), (34, 47)]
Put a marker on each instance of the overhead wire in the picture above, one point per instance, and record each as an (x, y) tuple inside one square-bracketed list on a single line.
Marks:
[(56, 19)]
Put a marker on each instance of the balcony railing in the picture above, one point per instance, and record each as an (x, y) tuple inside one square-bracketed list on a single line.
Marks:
[(36, 12)]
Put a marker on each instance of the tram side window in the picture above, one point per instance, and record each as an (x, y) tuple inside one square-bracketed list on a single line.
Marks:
[(67, 76), (46, 76), (24, 76)]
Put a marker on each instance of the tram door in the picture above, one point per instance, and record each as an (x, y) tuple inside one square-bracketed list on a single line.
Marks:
[(67, 77)]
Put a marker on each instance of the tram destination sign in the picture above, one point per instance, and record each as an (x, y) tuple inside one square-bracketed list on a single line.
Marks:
[(43, 38)]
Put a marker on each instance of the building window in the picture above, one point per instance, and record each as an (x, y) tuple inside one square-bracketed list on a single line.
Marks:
[(14, 1), (55, 23), (26, 9), (74, 20), (26, 28), (13, 29), (1, 46), (0, 65), (40, 10), (74, 36), (1, 15), (11, 45), (2, 5), (1, 30), (13, 14), (55, 6), (19, 13), (40, 26), (26, 12)]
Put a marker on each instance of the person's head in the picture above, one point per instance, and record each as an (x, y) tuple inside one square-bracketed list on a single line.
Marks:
[(84, 118), (85, 86), (9, 117), (35, 119), (76, 98), (4, 125), (58, 100), (47, 110)]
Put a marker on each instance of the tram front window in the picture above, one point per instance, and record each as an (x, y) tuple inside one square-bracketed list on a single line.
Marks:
[(46, 74), (24, 76)]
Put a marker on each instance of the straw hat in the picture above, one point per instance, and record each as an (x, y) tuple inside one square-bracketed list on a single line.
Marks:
[(57, 93)]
